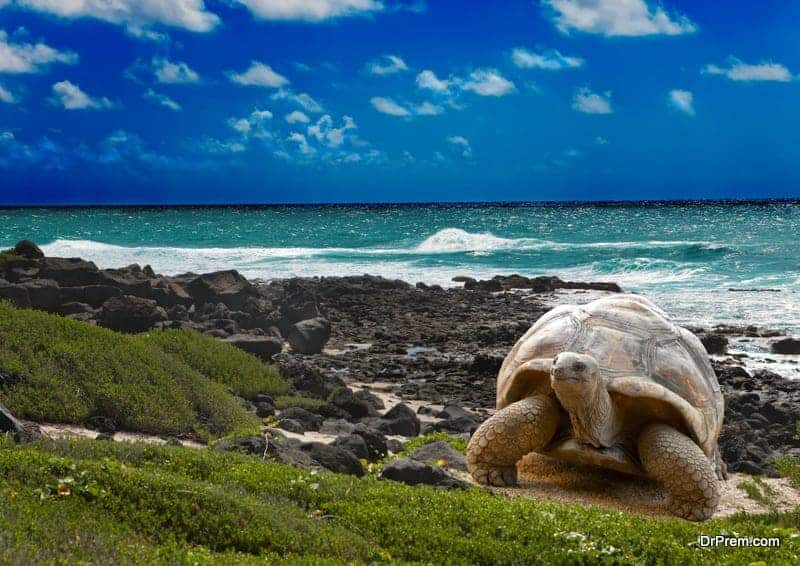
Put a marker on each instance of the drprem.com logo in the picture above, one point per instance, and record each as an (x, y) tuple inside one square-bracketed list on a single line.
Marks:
[(706, 541)]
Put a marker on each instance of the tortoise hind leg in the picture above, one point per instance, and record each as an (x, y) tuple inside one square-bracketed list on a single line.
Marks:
[(511, 433), (680, 465)]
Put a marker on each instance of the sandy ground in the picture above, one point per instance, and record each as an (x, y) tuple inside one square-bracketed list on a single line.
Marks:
[(544, 478)]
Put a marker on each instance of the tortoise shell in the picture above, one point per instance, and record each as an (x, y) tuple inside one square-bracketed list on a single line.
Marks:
[(641, 354)]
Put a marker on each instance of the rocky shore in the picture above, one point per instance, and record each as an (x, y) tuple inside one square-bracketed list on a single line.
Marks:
[(350, 341)]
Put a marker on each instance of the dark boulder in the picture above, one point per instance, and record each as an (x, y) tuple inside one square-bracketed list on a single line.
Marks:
[(456, 425), (263, 347), (440, 453), (309, 336), (377, 446), (255, 445), (228, 287), (70, 272), (131, 314), (44, 294), (309, 420), (370, 398), (292, 425), (17, 295), (334, 458), (790, 346), (94, 295), (336, 427), (401, 420), (28, 250), (353, 443), (412, 472), (264, 409), (346, 400), (715, 344)]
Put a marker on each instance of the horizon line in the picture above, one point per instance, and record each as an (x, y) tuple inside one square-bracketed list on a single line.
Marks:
[(389, 204)]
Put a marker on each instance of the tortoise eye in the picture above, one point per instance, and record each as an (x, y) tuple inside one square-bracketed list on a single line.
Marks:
[(579, 366)]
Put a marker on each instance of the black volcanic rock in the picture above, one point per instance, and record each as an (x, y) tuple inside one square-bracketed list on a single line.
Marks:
[(28, 249), (789, 346), (131, 314)]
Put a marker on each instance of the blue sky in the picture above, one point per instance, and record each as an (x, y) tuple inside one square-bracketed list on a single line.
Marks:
[(270, 101)]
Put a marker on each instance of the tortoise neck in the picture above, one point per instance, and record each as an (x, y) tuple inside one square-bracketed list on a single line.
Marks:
[(595, 421)]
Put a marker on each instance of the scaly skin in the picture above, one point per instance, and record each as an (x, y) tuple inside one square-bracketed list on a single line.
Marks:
[(677, 462), (511, 433)]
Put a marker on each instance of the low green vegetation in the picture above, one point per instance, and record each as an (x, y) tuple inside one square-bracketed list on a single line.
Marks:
[(8, 256), (136, 503), (175, 382), (458, 443), (758, 490)]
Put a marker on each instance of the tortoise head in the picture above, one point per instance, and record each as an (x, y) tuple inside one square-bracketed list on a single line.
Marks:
[(574, 378)]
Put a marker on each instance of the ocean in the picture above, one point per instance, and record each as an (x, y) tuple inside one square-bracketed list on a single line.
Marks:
[(735, 263)]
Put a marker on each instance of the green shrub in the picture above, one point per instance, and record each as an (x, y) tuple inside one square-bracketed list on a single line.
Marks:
[(287, 401), (220, 362), (69, 371), (173, 502), (458, 443)]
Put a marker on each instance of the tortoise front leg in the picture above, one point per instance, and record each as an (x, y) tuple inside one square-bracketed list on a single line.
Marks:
[(501, 441), (677, 462)]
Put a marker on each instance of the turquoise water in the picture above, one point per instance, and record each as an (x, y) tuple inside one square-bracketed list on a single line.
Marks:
[(686, 257)]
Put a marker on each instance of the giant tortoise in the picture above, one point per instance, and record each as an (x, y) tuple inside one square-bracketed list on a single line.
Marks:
[(615, 384)]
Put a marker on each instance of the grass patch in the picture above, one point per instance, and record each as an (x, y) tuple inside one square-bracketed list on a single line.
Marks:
[(287, 401), (66, 371), (458, 443), (220, 362), (9, 256), (143, 503), (758, 490)]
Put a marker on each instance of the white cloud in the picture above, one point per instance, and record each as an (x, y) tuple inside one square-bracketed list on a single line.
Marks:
[(617, 18), (428, 80), (460, 145), (261, 75), (551, 60), (388, 106), (30, 58), (590, 102), (135, 15), (296, 116), (6, 96), (71, 97), (325, 132), (682, 100), (302, 144), (303, 100), (310, 10), (169, 72), (428, 109), (740, 71), (253, 125), (488, 82), (162, 100), (387, 65)]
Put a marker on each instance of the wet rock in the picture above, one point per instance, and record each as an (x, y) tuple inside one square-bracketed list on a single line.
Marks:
[(131, 314), (440, 453), (28, 250), (310, 336), (263, 347), (715, 344), (412, 472), (334, 458), (790, 346)]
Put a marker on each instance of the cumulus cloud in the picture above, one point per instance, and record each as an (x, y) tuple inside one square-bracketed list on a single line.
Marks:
[(168, 72), (738, 70), (428, 109), (617, 18), (590, 102), (71, 97), (137, 16), (301, 143), (682, 100), (460, 145), (162, 100), (428, 80), (488, 82), (6, 96), (303, 100), (29, 57), (387, 65), (551, 60), (386, 105), (310, 10), (327, 134), (296, 117), (255, 125), (259, 74)]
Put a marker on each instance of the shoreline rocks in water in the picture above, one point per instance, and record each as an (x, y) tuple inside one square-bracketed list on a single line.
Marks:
[(424, 343)]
